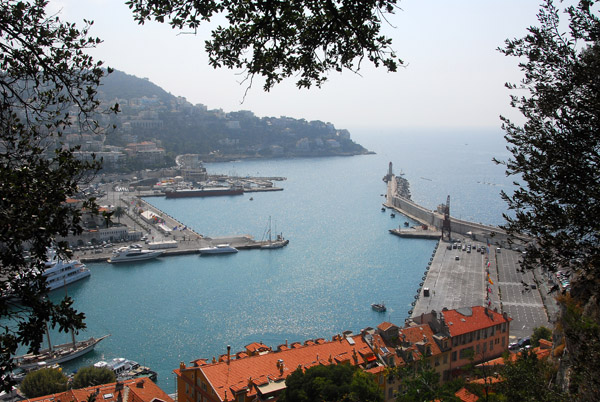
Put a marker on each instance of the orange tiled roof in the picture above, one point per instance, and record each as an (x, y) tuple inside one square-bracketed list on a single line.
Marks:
[(464, 395), (541, 351), (229, 377), (459, 324), (419, 333), (384, 326), (136, 390), (256, 347)]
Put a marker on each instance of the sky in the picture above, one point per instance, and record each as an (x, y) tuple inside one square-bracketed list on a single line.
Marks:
[(454, 77)]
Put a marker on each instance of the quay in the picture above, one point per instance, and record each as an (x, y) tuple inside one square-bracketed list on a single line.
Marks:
[(488, 273), (188, 241)]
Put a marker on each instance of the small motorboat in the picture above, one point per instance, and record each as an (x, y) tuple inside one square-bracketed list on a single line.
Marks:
[(393, 215), (380, 307)]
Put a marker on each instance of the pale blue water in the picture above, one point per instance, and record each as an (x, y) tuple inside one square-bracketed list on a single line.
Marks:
[(340, 259)]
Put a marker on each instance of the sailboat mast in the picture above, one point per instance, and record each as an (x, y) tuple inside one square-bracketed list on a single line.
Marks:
[(48, 337)]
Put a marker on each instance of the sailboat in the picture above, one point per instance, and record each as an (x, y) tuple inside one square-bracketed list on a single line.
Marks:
[(279, 241), (58, 353)]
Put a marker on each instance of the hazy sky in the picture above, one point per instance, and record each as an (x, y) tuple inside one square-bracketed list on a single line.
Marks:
[(454, 75)]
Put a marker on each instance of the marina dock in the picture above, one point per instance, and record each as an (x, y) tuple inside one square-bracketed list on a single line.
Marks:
[(188, 241)]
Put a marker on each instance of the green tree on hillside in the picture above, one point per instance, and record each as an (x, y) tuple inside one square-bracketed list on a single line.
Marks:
[(555, 159)]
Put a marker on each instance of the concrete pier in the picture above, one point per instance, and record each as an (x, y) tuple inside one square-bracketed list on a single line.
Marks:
[(455, 277)]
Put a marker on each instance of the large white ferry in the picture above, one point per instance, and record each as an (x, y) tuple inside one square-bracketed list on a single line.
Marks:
[(128, 254), (60, 273)]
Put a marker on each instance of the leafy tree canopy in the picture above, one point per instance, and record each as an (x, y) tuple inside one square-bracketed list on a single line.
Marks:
[(333, 383), (529, 379), (44, 382), (540, 333), (47, 87), (555, 154), (91, 376), (280, 39)]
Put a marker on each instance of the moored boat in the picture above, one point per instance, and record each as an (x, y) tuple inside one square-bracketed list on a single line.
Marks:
[(204, 192), (128, 254), (218, 249), (380, 307), (58, 353), (60, 273), (279, 241), (125, 369)]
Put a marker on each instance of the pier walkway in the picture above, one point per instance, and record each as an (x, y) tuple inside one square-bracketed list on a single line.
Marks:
[(188, 241), (456, 278)]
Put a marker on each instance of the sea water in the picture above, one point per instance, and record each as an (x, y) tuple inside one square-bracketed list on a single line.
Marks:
[(340, 259)]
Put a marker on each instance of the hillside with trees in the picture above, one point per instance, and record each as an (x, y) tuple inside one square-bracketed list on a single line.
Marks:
[(148, 113)]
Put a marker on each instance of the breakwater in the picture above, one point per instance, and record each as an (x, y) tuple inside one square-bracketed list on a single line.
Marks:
[(433, 219)]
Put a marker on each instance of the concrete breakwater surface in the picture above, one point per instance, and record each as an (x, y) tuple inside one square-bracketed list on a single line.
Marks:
[(475, 266)]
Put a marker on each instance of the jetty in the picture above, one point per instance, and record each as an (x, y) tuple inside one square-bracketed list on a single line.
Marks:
[(158, 227), (474, 265)]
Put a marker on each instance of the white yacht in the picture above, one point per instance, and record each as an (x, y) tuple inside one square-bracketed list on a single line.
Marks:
[(218, 249), (60, 273), (128, 254), (126, 369)]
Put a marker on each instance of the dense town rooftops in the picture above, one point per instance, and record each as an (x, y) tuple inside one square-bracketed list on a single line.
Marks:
[(469, 319), (136, 390), (266, 372)]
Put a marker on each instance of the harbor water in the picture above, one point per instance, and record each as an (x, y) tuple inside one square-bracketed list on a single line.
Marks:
[(340, 258)]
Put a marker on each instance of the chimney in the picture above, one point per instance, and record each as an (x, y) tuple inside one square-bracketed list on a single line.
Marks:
[(228, 353)]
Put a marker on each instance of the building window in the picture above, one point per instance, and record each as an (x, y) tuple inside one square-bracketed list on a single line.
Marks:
[(241, 397), (477, 349), (454, 356), (502, 341), (437, 361), (390, 393), (445, 358), (491, 345)]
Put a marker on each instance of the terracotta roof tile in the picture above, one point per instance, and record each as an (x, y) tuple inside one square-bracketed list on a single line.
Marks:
[(137, 390), (459, 323), (271, 366), (384, 326), (464, 395)]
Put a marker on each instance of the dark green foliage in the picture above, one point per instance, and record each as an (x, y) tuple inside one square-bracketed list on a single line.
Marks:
[(423, 384), (90, 376), (43, 382), (281, 39), (333, 383), (555, 158), (529, 379), (555, 154), (47, 88), (540, 333)]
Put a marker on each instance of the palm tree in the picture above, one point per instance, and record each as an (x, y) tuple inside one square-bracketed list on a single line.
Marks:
[(118, 213)]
